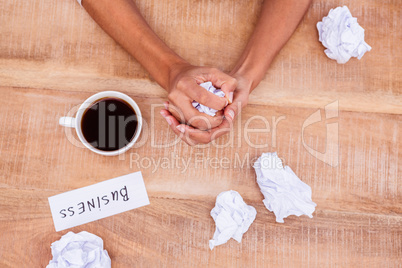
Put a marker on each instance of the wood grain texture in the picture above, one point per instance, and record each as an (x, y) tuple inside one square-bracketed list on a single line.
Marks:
[(55, 44), (53, 56)]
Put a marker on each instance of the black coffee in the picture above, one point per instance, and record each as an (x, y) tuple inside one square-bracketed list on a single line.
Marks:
[(109, 124)]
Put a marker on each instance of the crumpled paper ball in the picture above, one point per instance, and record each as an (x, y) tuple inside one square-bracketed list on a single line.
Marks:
[(204, 109), (285, 194), (343, 37), (232, 218), (79, 250)]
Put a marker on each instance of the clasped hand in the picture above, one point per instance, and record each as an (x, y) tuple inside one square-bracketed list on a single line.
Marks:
[(187, 122)]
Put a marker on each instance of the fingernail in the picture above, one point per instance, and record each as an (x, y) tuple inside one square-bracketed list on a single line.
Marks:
[(168, 120), (162, 113), (231, 114), (166, 106), (230, 97), (180, 128)]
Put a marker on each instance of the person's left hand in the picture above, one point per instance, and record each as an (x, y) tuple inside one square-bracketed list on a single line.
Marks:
[(193, 136)]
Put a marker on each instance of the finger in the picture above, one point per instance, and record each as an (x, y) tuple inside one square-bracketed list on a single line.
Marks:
[(176, 111), (166, 104), (179, 131), (221, 130), (200, 136), (200, 120), (193, 136), (225, 82), (207, 136), (166, 115), (173, 125), (232, 110), (209, 99), (188, 114)]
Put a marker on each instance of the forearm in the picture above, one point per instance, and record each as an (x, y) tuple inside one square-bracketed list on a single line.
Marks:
[(277, 22), (122, 20)]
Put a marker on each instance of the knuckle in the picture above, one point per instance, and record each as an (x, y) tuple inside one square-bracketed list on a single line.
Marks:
[(172, 96), (181, 84), (234, 82), (177, 114), (206, 139), (215, 124), (231, 83), (202, 97), (214, 70), (200, 140), (200, 124), (217, 121), (190, 142), (197, 94), (173, 108), (222, 103)]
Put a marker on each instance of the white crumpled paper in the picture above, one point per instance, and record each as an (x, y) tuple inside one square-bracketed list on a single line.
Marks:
[(285, 194), (204, 109), (343, 37), (79, 250), (232, 218)]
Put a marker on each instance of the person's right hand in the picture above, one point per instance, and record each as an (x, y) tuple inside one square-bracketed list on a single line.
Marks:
[(184, 88)]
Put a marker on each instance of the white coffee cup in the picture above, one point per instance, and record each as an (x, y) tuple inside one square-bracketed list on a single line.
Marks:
[(75, 122)]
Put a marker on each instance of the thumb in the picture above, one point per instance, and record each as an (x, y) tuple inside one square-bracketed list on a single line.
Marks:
[(232, 110), (225, 82), (228, 87)]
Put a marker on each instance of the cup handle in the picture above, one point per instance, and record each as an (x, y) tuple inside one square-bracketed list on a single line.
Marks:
[(67, 122)]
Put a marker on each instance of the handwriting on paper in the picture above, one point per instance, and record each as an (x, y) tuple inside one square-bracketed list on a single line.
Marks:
[(98, 201)]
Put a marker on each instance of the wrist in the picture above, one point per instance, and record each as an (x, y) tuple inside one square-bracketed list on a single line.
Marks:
[(245, 80), (175, 69), (252, 67)]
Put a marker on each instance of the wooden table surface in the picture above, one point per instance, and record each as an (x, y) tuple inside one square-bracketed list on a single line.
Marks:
[(53, 56)]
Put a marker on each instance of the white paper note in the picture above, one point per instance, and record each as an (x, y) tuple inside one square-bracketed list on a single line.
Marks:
[(98, 201)]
